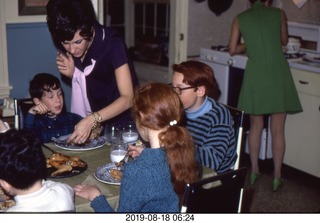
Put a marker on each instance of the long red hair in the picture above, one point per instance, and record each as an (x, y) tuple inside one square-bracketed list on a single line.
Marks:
[(160, 105)]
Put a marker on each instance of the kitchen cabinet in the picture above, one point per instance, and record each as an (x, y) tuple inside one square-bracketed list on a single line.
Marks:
[(302, 130)]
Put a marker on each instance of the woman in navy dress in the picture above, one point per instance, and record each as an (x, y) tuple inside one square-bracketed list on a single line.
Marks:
[(95, 58)]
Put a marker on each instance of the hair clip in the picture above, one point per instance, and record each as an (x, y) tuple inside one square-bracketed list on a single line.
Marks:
[(172, 123)]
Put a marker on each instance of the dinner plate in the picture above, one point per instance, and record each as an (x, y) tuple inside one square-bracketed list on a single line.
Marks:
[(74, 172), (102, 174), (61, 142)]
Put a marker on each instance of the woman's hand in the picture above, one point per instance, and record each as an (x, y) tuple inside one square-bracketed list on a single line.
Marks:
[(135, 151), (82, 131), (88, 192), (65, 64)]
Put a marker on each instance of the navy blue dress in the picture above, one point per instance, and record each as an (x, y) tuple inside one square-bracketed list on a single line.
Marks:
[(110, 53)]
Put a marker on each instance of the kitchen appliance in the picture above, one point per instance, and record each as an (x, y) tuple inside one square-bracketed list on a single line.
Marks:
[(293, 46)]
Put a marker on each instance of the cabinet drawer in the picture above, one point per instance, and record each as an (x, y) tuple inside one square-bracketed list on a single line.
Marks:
[(306, 82)]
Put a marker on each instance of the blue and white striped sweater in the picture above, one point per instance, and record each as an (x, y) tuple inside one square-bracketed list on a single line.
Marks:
[(214, 135)]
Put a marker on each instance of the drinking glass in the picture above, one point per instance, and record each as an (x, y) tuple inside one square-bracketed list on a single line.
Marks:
[(130, 133), (118, 151), (113, 133)]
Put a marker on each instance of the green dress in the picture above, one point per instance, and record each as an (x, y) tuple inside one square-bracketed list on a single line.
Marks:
[(267, 86)]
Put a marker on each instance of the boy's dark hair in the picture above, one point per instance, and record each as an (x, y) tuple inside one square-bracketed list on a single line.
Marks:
[(41, 83), (22, 161)]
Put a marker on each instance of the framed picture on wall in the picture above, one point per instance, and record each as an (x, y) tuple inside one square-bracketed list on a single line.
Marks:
[(32, 7)]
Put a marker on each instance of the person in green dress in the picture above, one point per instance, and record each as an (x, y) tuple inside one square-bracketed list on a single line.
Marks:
[(267, 87)]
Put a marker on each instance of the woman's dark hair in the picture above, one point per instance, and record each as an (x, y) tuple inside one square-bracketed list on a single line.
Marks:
[(154, 106), (196, 73), (66, 17), (43, 82), (22, 161)]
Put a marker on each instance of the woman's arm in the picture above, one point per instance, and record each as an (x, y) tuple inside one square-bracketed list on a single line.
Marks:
[(235, 47), (124, 83), (123, 103), (284, 29)]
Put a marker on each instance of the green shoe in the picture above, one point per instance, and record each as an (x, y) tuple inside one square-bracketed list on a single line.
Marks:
[(276, 184), (253, 178)]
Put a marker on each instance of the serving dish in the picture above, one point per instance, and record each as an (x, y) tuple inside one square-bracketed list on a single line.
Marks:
[(74, 172), (61, 142)]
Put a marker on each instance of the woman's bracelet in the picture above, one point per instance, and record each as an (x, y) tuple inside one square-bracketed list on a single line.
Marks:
[(97, 119)]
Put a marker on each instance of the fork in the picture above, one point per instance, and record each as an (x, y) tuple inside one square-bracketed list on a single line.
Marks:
[(123, 161)]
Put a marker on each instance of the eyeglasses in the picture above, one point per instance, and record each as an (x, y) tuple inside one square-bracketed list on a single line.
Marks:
[(179, 89)]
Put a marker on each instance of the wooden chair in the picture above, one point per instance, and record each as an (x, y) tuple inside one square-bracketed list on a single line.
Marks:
[(21, 107), (223, 197)]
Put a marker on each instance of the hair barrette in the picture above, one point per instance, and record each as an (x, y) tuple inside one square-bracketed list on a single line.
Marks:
[(172, 123)]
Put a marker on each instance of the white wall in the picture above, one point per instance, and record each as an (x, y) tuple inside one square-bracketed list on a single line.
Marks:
[(207, 29)]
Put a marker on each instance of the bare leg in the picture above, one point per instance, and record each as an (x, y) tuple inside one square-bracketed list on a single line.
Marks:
[(278, 141), (256, 126)]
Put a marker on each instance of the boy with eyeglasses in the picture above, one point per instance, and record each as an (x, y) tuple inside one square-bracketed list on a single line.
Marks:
[(210, 123)]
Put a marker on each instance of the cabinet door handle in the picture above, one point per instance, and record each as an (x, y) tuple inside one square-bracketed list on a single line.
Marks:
[(304, 82)]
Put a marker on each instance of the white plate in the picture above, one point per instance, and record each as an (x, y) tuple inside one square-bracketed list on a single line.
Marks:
[(90, 145), (102, 174)]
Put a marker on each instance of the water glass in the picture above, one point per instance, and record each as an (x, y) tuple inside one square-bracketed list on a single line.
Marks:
[(113, 133), (130, 133), (118, 151)]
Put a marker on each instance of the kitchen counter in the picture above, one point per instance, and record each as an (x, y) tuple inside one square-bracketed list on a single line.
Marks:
[(301, 65)]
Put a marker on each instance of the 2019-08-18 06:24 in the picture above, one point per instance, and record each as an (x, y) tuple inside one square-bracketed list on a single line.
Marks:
[(160, 217)]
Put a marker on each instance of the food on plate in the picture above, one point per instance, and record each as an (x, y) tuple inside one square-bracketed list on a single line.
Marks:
[(139, 143), (5, 201), (63, 163), (116, 174)]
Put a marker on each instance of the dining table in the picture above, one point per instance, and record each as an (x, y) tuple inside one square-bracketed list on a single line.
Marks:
[(94, 158)]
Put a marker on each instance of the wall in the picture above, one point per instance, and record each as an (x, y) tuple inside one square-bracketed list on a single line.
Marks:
[(30, 51), (207, 29)]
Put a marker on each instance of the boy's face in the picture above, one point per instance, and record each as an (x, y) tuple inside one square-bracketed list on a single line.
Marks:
[(191, 98), (53, 99)]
